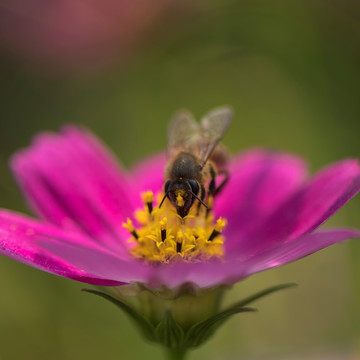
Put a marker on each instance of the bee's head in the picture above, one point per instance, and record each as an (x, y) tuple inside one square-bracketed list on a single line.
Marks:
[(182, 194)]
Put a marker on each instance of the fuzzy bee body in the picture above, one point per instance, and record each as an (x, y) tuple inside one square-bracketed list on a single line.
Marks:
[(185, 166), (192, 147)]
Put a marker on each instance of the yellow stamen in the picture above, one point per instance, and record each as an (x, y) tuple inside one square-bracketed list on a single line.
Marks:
[(163, 236), (179, 241), (219, 227), (142, 217), (163, 223), (220, 224), (147, 197), (163, 229), (130, 227), (179, 237)]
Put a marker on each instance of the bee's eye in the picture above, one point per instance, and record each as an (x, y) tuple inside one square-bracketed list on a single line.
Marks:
[(194, 186), (167, 185)]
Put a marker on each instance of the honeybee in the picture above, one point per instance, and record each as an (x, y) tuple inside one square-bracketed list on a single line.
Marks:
[(195, 158)]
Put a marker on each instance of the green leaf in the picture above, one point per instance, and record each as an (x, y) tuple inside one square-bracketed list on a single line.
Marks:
[(203, 330), (169, 332), (261, 294), (146, 328)]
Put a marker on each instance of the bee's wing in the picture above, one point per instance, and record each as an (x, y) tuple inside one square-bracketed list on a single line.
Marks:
[(212, 128), (182, 133)]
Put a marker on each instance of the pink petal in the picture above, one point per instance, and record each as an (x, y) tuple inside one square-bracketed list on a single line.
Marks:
[(297, 249), (71, 180), (149, 173), (307, 209), (52, 250), (203, 274), (233, 269), (259, 182)]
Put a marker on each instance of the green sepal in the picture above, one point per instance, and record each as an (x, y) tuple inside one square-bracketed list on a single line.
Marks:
[(145, 327), (177, 338), (169, 332), (261, 294), (202, 331)]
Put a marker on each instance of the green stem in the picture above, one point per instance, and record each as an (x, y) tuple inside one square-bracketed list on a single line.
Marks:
[(176, 354)]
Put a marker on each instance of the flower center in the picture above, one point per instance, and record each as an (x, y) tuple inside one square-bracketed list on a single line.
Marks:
[(163, 236)]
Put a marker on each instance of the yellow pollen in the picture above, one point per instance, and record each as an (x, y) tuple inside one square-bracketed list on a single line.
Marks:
[(179, 237), (164, 237), (220, 224), (163, 223), (142, 217), (147, 197), (129, 226), (180, 201)]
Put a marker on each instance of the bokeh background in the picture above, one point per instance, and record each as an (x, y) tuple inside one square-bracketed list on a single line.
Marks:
[(289, 68)]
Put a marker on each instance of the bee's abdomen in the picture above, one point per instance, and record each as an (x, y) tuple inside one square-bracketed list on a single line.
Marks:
[(185, 166)]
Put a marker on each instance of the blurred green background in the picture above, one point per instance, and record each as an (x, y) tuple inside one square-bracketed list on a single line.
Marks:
[(290, 69)]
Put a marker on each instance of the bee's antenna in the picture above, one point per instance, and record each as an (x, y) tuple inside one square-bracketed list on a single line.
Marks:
[(197, 198), (163, 199)]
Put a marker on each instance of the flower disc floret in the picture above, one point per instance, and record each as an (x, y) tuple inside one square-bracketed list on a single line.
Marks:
[(162, 236)]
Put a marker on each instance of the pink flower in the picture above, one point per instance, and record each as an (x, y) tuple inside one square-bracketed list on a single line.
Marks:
[(83, 197), (76, 34)]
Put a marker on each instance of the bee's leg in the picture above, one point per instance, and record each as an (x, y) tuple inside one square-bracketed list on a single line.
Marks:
[(212, 185), (211, 190), (223, 183), (202, 197)]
